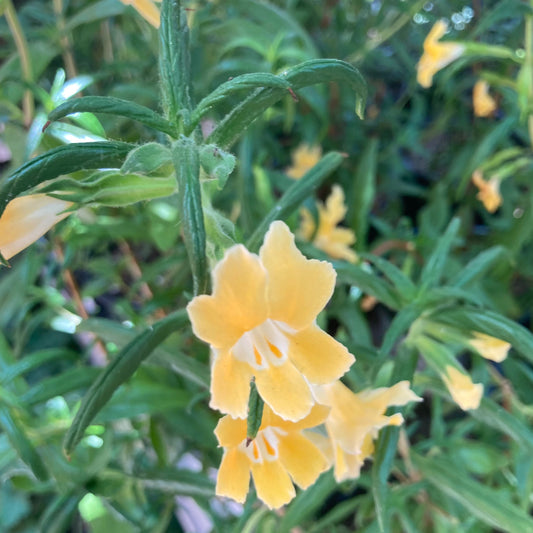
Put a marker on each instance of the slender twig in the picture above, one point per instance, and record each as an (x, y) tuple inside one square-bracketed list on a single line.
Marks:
[(65, 40)]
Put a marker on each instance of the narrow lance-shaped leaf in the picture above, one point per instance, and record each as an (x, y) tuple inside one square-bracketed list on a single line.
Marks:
[(255, 413), (302, 75), (187, 166), (119, 371), (62, 160), (174, 61), (295, 194), (112, 106)]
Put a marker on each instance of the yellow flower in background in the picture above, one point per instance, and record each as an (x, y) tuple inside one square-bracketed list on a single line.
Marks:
[(484, 103), (304, 158), (355, 420), (465, 393), (329, 238), (489, 347), (147, 9), (26, 219), (489, 191), (436, 54), (279, 455), (260, 321)]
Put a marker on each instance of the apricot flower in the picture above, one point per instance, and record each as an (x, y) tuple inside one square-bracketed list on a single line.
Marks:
[(147, 9), (463, 391), (489, 191), (355, 420), (260, 321), (489, 347), (26, 219), (279, 452), (484, 104), (304, 158), (436, 54), (331, 239)]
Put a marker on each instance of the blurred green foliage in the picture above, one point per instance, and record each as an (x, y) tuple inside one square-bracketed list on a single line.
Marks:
[(92, 290)]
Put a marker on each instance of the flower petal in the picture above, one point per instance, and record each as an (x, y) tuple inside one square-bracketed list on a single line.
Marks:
[(298, 288), (318, 356), (26, 219), (233, 478), (302, 459), (285, 390), (230, 385), (230, 431), (465, 393), (238, 301), (272, 483)]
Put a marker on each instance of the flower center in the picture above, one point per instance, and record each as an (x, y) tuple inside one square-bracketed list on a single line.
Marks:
[(265, 345), (265, 445)]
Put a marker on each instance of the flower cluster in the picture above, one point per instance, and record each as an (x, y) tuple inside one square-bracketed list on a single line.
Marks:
[(260, 322)]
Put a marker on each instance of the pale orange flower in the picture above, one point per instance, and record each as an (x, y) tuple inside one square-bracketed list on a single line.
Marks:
[(484, 103), (489, 191), (279, 455), (335, 241), (260, 321), (304, 158), (463, 391), (436, 54), (355, 420), (26, 219), (147, 9), (489, 347)]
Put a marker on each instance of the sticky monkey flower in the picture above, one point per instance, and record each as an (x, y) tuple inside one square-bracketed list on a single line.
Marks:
[(436, 54), (489, 347), (489, 191), (355, 420), (304, 158), (279, 455), (465, 393), (26, 219), (484, 103), (260, 322), (335, 241), (147, 9)]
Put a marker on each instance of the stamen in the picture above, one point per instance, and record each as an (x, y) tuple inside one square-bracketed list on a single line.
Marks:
[(270, 450), (258, 358), (275, 350)]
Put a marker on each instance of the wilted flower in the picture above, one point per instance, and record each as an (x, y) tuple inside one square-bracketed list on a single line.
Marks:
[(489, 191), (147, 9), (26, 219), (279, 452), (464, 392), (260, 321), (484, 103), (334, 241), (355, 420), (304, 158), (436, 54), (489, 347)]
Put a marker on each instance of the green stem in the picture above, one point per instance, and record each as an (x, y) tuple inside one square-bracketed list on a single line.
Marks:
[(529, 61), (25, 62)]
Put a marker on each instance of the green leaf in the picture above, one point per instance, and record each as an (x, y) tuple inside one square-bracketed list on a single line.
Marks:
[(62, 160), (178, 482), (477, 267), (480, 500), (110, 188), (295, 195), (174, 61), (58, 515), (21, 443), (187, 166), (434, 267), (303, 75), (146, 159), (113, 106), (103, 9), (255, 413), (218, 164), (119, 371)]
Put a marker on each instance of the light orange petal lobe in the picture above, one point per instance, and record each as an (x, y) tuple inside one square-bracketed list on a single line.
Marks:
[(272, 483), (233, 478)]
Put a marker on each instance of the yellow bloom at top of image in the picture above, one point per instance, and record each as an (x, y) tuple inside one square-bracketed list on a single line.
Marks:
[(260, 321), (436, 54), (26, 219), (465, 393), (279, 455), (489, 347), (355, 420), (147, 9), (489, 191), (335, 241), (304, 158), (484, 103)]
